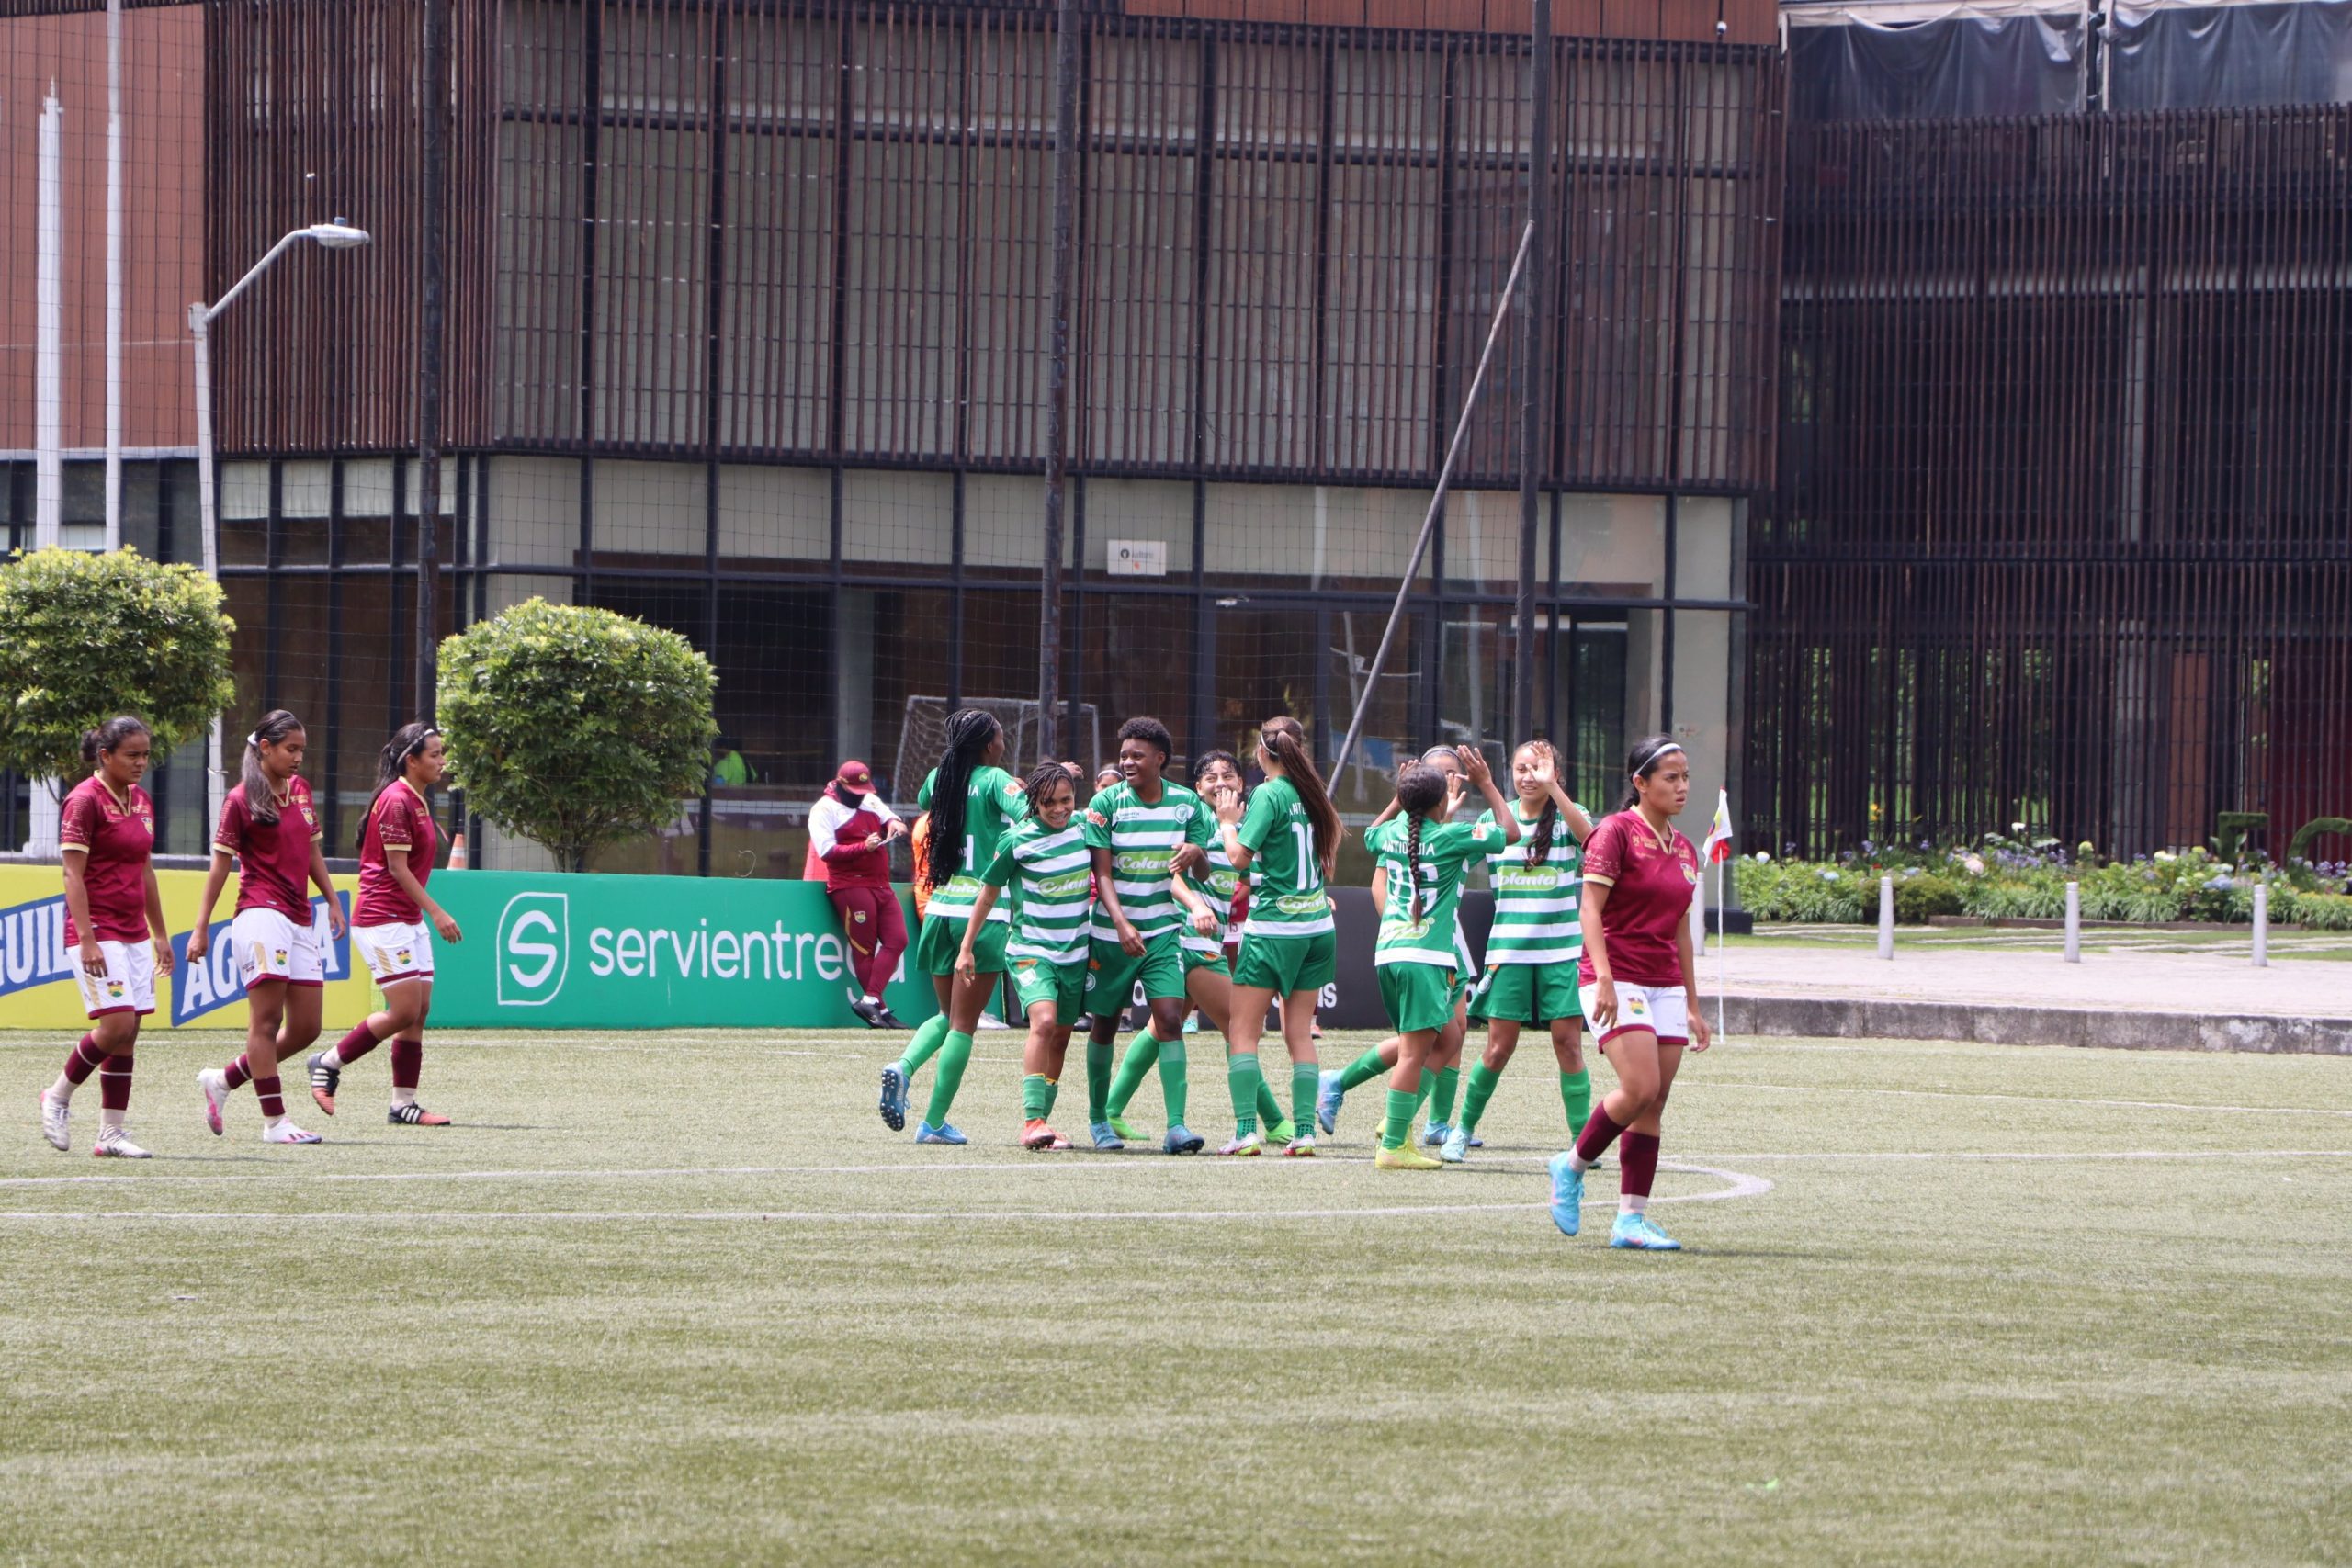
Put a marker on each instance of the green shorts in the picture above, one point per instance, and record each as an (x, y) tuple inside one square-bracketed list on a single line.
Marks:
[(1286, 965), (1418, 995), (942, 938), (1035, 980), (1527, 993), (1196, 960), (1111, 975)]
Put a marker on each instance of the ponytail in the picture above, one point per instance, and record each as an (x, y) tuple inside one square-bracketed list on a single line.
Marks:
[(261, 800), (109, 736), (391, 762), (1421, 789), (1539, 842), (1285, 740), (1646, 754), (970, 732)]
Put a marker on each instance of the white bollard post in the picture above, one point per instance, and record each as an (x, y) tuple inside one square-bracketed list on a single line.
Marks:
[(1699, 918), (2073, 923), (2262, 925), (1886, 917)]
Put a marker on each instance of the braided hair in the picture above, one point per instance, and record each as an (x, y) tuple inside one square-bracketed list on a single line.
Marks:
[(1285, 740), (1421, 789), (970, 732), (1643, 761), (1547, 821)]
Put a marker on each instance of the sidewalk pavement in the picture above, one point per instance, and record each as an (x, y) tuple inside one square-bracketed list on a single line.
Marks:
[(2215, 1002)]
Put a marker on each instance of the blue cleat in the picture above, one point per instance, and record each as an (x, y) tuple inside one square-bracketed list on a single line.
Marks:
[(1327, 1104), (942, 1133), (1456, 1147), (1105, 1139), (1434, 1134), (1635, 1231), (894, 1099), (1182, 1140), (1567, 1193)]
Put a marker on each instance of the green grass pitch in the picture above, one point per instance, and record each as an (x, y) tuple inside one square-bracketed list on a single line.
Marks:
[(681, 1298)]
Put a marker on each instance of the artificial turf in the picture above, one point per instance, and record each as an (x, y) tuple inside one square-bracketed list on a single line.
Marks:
[(681, 1297)]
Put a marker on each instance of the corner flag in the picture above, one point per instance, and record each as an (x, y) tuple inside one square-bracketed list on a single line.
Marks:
[(1718, 844)]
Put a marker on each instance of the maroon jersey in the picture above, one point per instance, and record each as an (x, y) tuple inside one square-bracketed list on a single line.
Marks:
[(851, 864), (1650, 883), (273, 859), (398, 820), (119, 834)]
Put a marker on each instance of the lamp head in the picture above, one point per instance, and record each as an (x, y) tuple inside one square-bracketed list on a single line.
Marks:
[(337, 235)]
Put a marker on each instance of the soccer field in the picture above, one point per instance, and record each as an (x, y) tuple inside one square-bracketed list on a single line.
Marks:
[(682, 1297)]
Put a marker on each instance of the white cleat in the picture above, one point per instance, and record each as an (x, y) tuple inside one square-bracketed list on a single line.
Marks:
[(114, 1144), (283, 1132), (215, 1084), (55, 1117)]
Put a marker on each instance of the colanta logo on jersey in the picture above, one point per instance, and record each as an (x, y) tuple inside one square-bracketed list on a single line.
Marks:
[(1301, 904), (1525, 878), (1068, 884), (533, 951), (1141, 862)]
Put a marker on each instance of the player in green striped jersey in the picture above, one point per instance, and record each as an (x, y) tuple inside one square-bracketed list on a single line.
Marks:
[(1287, 841), (971, 800), (1426, 857), (1532, 949), (1044, 859), (1143, 833)]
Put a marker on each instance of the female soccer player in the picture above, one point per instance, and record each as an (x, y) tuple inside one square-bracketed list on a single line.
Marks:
[(396, 848), (1640, 990), (1286, 841), (1532, 949), (1417, 960), (971, 800), (850, 830), (1044, 857), (115, 932), (270, 828)]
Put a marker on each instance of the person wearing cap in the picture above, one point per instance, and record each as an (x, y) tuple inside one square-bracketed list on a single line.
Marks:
[(850, 830)]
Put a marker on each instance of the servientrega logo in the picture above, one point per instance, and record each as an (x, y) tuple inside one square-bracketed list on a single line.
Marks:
[(534, 949)]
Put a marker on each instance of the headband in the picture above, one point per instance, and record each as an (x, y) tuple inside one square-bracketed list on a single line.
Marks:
[(1645, 765), (418, 744)]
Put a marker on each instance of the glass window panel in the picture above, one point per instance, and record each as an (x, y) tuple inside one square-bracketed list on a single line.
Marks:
[(1319, 536), (1147, 512), (652, 510), (1004, 522), (894, 516), (1613, 546), (1702, 681), (1702, 547), (768, 516), (1591, 670), (534, 505), (1482, 540)]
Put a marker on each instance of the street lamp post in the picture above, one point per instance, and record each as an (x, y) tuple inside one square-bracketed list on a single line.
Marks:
[(335, 236)]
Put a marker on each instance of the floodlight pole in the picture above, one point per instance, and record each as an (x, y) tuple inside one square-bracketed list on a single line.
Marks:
[(1049, 581), (1524, 707)]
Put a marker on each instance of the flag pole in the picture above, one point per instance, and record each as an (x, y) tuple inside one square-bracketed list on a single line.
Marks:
[(1723, 953)]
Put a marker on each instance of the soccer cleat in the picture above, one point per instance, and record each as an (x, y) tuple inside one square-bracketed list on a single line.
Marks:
[(1182, 1140), (884, 1017), (326, 1077), (1282, 1132), (1301, 1148), (114, 1144), (1035, 1135), (1191, 1023), (56, 1117), (1636, 1233), (1434, 1134), (1456, 1147), (284, 1131), (1118, 1125), (1404, 1156), (870, 1011), (1248, 1145), (1327, 1104), (415, 1115), (215, 1084), (942, 1133), (894, 1099), (990, 1020), (1106, 1137), (1567, 1193)]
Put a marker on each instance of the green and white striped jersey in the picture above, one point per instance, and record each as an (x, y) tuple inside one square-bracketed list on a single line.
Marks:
[(1142, 839), (1536, 907), (1217, 889), (993, 801), (1447, 850), (1286, 893), (1051, 878)]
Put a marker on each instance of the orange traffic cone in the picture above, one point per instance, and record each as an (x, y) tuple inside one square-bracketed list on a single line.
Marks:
[(457, 852)]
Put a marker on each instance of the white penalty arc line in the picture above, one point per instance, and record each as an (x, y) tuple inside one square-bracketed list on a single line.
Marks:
[(1741, 1185)]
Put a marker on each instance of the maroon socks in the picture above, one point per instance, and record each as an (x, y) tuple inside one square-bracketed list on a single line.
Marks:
[(114, 1083), (356, 1044), (83, 1060), (1600, 1132), (1639, 1157)]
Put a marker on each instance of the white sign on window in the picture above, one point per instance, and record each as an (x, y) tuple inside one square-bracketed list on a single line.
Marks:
[(1138, 558)]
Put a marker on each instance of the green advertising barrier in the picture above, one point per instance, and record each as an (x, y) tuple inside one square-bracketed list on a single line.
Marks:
[(546, 950)]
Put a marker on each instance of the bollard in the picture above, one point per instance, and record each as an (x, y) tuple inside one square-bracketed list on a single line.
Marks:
[(2262, 925), (1886, 917), (1699, 918), (2073, 923)]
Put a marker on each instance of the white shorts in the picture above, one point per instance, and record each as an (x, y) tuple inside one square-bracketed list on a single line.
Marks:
[(401, 950), (130, 983), (1663, 1010), (271, 947)]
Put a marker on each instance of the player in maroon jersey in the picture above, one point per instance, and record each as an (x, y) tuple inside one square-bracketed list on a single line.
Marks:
[(388, 925), (116, 940), (850, 830), (271, 829)]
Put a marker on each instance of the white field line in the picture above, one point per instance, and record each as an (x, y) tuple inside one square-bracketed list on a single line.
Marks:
[(1703, 1087)]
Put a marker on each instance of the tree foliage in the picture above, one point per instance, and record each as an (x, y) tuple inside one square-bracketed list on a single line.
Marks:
[(575, 726), (85, 636)]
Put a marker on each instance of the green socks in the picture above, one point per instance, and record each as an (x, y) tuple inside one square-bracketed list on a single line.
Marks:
[(952, 1058), (1362, 1070), (1402, 1103), (1449, 1083), (1305, 1079), (1242, 1073), (1483, 1080), (1037, 1093), (924, 1045), (1173, 1086), (1142, 1052), (1269, 1113), (1098, 1082), (1575, 1098)]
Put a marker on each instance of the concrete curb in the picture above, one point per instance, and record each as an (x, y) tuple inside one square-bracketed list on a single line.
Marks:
[(1836, 1018)]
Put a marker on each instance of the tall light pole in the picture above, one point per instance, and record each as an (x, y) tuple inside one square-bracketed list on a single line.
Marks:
[(335, 236)]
